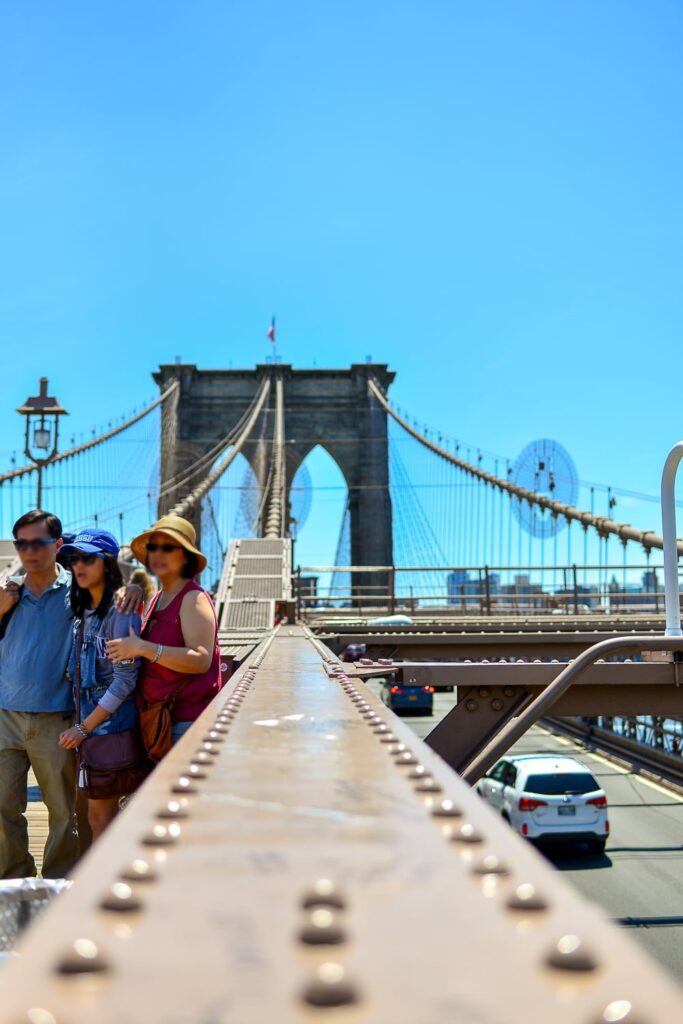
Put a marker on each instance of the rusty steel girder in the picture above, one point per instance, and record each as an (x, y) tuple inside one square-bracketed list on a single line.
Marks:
[(300, 856)]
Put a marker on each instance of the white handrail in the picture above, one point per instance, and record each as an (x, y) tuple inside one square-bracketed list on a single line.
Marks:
[(671, 591)]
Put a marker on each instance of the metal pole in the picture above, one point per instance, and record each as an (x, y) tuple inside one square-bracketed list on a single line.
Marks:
[(487, 584), (671, 593), (39, 488), (576, 591)]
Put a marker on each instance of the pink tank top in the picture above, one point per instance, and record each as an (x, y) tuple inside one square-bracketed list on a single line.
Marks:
[(158, 683)]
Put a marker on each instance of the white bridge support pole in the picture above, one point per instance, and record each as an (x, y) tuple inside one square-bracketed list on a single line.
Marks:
[(671, 592)]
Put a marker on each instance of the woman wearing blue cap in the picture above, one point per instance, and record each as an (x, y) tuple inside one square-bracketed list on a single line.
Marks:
[(112, 762)]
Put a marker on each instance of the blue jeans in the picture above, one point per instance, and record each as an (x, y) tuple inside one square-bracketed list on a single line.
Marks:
[(179, 729)]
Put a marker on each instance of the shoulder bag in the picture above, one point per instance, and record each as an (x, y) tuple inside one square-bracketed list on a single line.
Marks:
[(156, 723), (112, 764)]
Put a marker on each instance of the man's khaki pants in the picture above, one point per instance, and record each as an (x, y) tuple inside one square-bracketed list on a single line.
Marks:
[(29, 739)]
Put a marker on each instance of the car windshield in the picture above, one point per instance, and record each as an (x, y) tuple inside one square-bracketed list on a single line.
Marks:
[(562, 782)]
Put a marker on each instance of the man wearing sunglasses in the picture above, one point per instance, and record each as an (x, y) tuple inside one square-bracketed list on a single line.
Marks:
[(36, 700)]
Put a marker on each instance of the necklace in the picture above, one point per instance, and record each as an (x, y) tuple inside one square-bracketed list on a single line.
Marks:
[(167, 597)]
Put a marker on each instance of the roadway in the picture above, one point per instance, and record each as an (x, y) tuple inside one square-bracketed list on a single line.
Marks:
[(639, 878)]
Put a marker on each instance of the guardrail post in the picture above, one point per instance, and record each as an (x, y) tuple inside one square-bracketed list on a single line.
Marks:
[(576, 590), (392, 590), (487, 584), (672, 599)]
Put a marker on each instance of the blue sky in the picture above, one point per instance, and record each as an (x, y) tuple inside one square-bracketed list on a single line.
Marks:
[(486, 195)]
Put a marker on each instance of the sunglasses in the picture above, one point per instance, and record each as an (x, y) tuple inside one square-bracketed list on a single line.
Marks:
[(34, 545), (80, 556), (166, 548)]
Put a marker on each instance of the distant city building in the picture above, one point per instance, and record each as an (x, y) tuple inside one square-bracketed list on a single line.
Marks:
[(308, 591)]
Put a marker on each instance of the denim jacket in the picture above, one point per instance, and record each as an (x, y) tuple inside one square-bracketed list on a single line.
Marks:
[(115, 683)]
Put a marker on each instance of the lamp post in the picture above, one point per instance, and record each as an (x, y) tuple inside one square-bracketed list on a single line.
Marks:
[(42, 414)]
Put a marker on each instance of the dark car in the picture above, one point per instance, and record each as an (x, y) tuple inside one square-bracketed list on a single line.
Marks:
[(353, 652), (402, 697)]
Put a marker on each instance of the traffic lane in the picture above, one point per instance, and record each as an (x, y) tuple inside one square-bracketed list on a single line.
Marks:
[(639, 878)]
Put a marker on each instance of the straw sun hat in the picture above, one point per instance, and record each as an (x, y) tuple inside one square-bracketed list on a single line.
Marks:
[(177, 529)]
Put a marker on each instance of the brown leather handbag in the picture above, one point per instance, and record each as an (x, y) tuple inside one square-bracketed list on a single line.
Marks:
[(156, 723)]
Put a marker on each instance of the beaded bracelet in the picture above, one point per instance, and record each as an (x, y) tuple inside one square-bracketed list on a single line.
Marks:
[(82, 729), (159, 652)]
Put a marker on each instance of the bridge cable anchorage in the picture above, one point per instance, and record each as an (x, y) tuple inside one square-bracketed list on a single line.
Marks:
[(94, 442), (191, 500), (275, 518), (603, 525)]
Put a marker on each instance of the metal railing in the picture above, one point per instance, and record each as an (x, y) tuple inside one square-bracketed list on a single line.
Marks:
[(485, 590)]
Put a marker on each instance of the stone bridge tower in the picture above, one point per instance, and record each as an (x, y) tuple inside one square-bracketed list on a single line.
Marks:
[(331, 408)]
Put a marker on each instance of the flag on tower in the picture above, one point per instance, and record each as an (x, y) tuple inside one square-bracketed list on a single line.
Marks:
[(271, 331)]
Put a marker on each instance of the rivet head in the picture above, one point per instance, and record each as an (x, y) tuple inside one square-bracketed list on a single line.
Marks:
[(387, 737), (397, 748), (406, 758), (446, 809), (120, 898), (210, 748), (483, 691), (39, 1015), (139, 870), (83, 957), (527, 897), (428, 785), (330, 987), (382, 728), (183, 785), (196, 771), (497, 704), (214, 737), (490, 864), (570, 954), (322, 928), (467, 833), (173, 809), (509, 691), (202, 757), (619, 1012), (323, 893), (161, 835), (471, 705)]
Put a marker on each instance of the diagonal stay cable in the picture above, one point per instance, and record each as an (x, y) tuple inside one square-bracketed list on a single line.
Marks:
[(190, 501)]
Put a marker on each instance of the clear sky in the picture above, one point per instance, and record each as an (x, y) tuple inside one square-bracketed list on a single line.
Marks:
[(486, 195)]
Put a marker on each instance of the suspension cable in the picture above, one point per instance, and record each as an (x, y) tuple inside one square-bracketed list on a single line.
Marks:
[(275, 518), (602, 524), (188, 503), (95, 441)]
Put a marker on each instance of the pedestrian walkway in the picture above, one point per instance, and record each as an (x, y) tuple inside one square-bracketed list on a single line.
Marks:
[(36, 813)]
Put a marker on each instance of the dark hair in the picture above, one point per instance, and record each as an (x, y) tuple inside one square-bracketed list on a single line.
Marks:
[(190, 567), (80, 597), (53, 524)]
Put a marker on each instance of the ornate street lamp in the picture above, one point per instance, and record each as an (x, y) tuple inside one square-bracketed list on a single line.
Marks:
[(42, 431)]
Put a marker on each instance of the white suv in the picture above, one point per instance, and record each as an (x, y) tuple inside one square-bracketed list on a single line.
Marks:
[(546, 797)]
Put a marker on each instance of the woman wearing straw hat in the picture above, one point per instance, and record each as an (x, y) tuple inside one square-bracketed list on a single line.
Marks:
[(178, 640)]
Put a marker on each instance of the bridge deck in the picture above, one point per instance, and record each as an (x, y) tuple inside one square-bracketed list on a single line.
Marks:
[(299, 786)]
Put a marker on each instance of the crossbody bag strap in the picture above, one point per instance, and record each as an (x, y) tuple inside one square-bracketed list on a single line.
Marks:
[(7, 617)]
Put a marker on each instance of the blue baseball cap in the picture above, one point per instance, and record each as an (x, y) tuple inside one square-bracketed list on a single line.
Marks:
[(93, 542)]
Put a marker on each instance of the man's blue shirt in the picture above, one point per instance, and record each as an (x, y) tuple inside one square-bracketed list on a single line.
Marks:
[(35, 650)]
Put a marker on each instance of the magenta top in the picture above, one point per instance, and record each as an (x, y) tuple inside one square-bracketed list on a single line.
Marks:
[(158, 683)]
